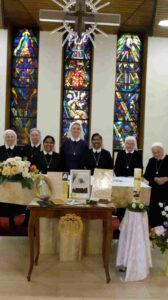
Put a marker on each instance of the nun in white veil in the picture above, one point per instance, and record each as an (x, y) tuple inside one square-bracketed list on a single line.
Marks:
[(128, 159), (10, 148), (157, 175), (74, 148)]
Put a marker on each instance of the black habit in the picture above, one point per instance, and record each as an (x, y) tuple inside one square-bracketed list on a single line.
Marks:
[(159, 193), (126, 162), (73, 154), (124, 166), (6, 209), (7, 153), (30, 152), (100, 160), (48, 163)]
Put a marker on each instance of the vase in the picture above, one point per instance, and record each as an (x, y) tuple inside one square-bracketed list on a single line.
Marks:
[(166, 271)]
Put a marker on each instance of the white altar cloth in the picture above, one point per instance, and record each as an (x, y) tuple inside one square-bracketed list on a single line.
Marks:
[(134, 251)]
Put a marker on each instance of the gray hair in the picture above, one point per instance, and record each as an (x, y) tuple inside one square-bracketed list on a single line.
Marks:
[(81, 136), (10, 131), (131, 138)]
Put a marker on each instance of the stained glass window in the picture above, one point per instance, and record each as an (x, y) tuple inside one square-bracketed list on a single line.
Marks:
[(23, 106), (76, 94), (128, 87)]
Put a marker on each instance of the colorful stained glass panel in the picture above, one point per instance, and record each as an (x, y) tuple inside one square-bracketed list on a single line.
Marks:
[(122, 130), (25, 43), (77, 78), (76, 48), (22, 126), (24, 77), (129, 48), (24, 102), (75, 104), (128, 85), (25, 63), (23, 108), (127, 107)]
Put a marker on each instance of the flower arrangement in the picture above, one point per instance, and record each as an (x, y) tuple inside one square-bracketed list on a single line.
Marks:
[(137, 207), (159, 234), (16, 169)]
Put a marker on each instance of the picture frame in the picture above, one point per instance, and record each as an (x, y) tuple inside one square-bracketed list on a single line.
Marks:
[(102, 184), (79, 184)]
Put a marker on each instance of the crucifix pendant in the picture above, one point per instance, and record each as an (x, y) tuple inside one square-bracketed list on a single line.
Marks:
[(157, 172), (74, 154)]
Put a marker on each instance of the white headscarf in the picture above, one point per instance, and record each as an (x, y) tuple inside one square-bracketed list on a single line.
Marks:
[(131, 138), (158, 144), (81, 136), (37, 130), (10, 131)]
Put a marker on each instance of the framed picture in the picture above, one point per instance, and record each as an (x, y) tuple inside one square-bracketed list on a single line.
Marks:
[(79, 184), (102, 184)]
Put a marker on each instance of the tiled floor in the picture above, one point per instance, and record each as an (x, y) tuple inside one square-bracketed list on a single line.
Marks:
[(80, 280)]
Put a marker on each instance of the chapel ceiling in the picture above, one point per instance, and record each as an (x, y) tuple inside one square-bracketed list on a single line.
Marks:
[(136, 15)]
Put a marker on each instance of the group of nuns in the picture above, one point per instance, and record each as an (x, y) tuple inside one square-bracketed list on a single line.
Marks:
[(75, 154)]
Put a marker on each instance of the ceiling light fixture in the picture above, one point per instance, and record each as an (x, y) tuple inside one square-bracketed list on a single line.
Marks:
[(80, 17), (163, 23)]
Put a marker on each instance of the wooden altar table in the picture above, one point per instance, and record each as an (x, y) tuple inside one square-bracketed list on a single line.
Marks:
[(85, 212)]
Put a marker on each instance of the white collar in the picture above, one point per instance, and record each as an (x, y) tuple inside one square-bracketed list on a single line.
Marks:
[(129, 152), (9, 147), (97, 150), (75, 140), (162, 157), (45, 153), (32, 145)]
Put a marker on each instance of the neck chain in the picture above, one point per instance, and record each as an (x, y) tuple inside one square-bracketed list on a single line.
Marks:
[(48, 162), (158, 167), (74, 148), (128, 162), (97, 159), (9, 155)]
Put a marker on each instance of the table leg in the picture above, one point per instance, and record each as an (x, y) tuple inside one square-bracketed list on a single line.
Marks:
[(108, 235), (31, 245), (37, 241)]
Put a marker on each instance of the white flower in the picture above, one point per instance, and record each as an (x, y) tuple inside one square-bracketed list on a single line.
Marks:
[(166, 208), (25, 174), (141, 205), (133, 205), (163, 213), (160, 204), (18, 158)]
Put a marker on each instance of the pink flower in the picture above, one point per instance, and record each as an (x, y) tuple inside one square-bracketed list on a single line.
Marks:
[(160, 230)]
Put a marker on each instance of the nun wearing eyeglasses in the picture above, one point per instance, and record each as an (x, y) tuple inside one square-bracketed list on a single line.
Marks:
[(128, 159), (157, 175), (74, 148), (97, 157), (10, 148), (34, 147)]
